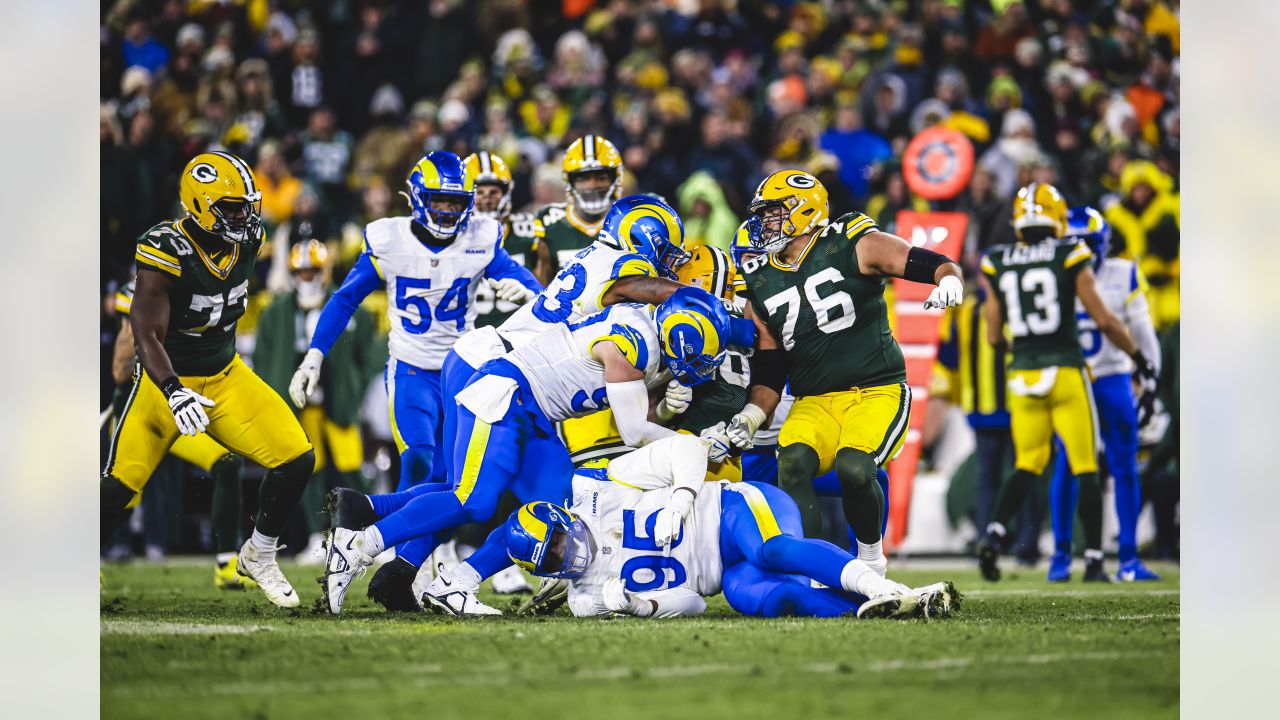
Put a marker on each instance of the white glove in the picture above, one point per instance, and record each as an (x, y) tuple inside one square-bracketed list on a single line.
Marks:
[(718, 445), (188, 413), (615, 595), (510, 290), (306, 378), (666, 529), (949, 292), (675, 401), (743, 426)]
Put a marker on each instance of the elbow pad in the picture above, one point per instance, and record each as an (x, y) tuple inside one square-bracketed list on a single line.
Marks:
[(769, 368), (922, 265)]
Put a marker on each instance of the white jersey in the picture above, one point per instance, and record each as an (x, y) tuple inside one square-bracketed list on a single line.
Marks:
[(430, 294), (567, 380), (620, 511), (1122, 289)]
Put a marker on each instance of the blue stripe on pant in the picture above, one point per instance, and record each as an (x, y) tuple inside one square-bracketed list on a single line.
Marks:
[(1118, 419), (415, 400), (760, 465), (769, 577)]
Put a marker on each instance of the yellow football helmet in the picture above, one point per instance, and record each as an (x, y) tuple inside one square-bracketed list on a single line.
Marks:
[(801, 196), (485, 168), (1039, 205), (308, 255), (219, 193), (711, 269), (592, 153)]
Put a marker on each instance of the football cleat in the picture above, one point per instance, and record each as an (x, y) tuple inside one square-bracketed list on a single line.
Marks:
[(1094, 571), (313, 554), (349, 509), (392, 586), (937, 601), (447, 595), (1135, 571), (345, 562), (897, 604), (511, 581), (263, 569), (989, 556), (225, 576), (1059, 567), (552, 593)]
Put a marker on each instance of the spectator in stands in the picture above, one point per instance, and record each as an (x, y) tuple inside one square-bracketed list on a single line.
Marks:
[(856, 147)]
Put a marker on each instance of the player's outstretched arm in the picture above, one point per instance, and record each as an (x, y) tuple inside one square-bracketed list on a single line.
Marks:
[(628, 397), (672, 602), (363, 279), (639, 288), (512, 281), (150, 316), (1107, 322), (881, 253)]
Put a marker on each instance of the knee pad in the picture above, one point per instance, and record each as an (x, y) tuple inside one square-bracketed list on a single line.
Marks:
[(855, 468), (479, 508), (416, 461), (797, 465), (298, 469)]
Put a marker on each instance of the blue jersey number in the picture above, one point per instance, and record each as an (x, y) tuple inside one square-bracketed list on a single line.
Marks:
[(1090, 335), (568, 286), (599, 400), (664, 571), (453, 306)]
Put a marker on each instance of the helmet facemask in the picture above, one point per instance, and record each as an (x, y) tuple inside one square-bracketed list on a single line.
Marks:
[(775, 228), (682, 352), (594, 201), (237, 220), (500, 210), (566, 553), (442, 212)]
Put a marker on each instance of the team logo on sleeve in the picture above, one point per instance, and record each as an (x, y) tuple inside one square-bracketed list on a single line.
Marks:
[(204, 172)]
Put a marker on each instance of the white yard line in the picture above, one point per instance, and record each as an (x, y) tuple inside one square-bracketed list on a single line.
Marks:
[(1111, 590), (144, 627)]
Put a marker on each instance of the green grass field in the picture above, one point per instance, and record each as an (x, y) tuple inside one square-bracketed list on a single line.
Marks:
[(174, 647)]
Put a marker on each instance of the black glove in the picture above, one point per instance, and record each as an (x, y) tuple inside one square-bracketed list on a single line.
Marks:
[(1146, 379)]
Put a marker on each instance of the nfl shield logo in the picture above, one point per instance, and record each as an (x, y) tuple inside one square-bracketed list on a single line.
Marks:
[(435, 262)]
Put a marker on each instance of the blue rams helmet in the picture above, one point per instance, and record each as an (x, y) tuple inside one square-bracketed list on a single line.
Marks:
[(1087, 224), (746, 240), (440, 175), (548, 541), (648, 226), (694, 329)]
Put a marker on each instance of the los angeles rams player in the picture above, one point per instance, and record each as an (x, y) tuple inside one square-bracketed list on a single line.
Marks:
[(1032, 286), (506, 437), (1122, 288), (818, 303), (648, 537), (193, 281), (522, 233), (592, 171), (431, 264)]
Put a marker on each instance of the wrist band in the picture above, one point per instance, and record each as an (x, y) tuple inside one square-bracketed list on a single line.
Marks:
[(170, 386)]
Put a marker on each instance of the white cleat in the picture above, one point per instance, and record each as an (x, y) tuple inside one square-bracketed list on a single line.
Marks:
[(880, 565), (314, 553), (345, 562), (896, 604), (263, 569), (937, 601), (511, 581), (447, 595)]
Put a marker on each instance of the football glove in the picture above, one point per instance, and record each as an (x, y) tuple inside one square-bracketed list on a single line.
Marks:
[(666, 528), (675, 401), (1147, 380), (948, 293), (306, 378), (718, 445), (615, 595), (743, 426), (510, 290), (187, 407)]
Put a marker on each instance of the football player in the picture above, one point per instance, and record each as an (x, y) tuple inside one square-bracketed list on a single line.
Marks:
[(522, 233), (1032, 286), (193, 283), (1123, 290), (200, 450), (592, 171), (506, 415), (648, 537), (817, 296)]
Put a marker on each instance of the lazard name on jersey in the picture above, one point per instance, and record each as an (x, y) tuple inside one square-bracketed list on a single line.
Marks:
[(208, 297), (1035, 286), (823, 307)]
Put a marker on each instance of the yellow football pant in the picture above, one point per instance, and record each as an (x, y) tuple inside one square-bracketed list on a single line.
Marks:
[(593, 440), (248, 418), (871, 419), (1048, 401), (339, 443)]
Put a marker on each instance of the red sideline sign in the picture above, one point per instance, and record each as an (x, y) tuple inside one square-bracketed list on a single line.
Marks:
[(917, 332), (938, 163)]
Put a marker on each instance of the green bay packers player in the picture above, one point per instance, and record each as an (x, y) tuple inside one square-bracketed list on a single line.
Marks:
[(1032, 286), (816, 294), (522, 234), (592, 169), (193, 282)]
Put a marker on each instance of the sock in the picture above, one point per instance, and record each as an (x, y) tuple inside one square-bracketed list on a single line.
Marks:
[(871, 552), (387, 503), (859, 577), (113, 501), (1093, 554), (797, 466), (225, 514), (1128, 507), (426, 514), (281, 489), (1012, 495), (882, 479), (997, 529), (1090, 509), (264, 544), (463, 575), (372, 540), (1062, 507)]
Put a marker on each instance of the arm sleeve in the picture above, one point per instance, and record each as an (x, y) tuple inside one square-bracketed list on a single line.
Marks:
[(362, 280), (1138, 318), (502, 266), (630, 404), (679, 460), (672, 602)]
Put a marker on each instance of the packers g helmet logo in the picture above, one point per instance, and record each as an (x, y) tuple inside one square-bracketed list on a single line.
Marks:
[(204, 172), (804, 182)]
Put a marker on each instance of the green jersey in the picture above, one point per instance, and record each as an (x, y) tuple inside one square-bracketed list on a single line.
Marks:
[(1036, 288), (831, 318), (207, 298), (565, 234), (520, 238)]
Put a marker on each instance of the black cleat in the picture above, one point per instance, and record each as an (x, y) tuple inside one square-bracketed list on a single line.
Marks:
[(392, 586), (988, 557), (349, 509), (1094, 571)]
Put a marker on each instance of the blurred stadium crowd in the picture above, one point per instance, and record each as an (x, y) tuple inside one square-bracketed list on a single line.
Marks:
[(333, 100)]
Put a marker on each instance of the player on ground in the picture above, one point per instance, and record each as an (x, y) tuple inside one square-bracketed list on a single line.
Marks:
[(431, 264), (1032, 286), (649, 537), (506, 415), (592, 171), (193, 282), (1122, 288), (522, 233), (817, 297)]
